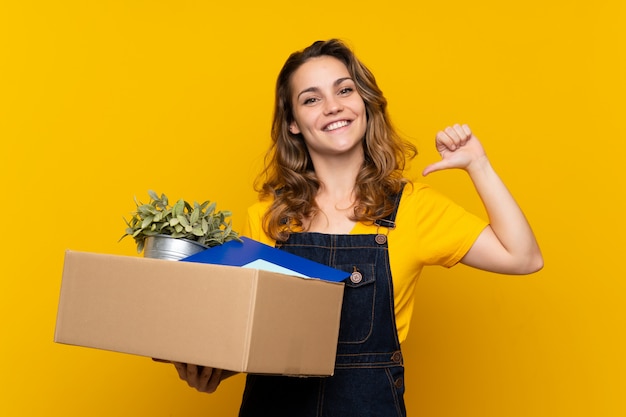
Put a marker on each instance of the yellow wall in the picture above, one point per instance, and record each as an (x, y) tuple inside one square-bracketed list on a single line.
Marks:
[(103, 100)]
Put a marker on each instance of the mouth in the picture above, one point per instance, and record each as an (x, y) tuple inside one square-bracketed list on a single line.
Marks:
[(336, 125)]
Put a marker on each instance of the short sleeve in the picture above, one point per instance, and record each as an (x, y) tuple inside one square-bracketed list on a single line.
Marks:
[(440, 230)]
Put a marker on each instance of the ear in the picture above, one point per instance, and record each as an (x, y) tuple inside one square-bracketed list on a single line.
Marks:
[(293, 128)]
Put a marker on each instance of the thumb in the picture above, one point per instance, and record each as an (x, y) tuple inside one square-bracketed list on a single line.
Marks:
[(437, 166)]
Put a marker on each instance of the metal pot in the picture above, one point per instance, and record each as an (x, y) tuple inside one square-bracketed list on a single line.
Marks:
[(167, 247)]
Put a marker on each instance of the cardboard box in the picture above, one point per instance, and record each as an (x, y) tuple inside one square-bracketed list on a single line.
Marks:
[(240, 319)]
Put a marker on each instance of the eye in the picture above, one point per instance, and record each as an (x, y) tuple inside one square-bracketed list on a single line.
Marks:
[(310, 100), (346, 90)]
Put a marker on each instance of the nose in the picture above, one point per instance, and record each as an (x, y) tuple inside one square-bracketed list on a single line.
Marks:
[(332, 106)]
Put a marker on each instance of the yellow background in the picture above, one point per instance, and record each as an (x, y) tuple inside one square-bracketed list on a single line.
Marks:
[(102, 100)]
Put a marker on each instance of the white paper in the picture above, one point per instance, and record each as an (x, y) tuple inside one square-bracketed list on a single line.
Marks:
[(268, 266)]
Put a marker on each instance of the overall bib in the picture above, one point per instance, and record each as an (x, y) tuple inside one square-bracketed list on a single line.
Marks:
[(369, 371)]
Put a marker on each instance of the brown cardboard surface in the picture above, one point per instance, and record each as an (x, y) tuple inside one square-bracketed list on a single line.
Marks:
[(240, 319)]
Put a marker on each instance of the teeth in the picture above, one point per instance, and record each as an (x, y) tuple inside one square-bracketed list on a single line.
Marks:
[(337, 125)]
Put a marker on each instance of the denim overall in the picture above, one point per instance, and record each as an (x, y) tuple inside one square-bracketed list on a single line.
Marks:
[(369, 371)]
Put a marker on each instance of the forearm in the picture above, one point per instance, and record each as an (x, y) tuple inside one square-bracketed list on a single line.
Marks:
[(520, 251)]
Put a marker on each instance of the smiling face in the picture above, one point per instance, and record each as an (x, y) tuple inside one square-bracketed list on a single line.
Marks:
[(327, 109)]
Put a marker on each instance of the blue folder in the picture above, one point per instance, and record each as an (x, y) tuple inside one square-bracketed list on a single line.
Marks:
[(253, 254)]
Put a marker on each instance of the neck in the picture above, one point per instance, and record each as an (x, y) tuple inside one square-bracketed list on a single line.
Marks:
[(335, 198), (337, 176)]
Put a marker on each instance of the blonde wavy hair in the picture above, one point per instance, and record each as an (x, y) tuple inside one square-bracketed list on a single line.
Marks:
[(289, 177)]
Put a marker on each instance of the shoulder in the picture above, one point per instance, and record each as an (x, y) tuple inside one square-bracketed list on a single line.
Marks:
[(420, 195)]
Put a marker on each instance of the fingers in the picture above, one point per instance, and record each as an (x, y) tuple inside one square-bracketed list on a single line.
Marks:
[(213, 380), (181, 368), (453, 137), (458, 148), (204, 379), (192, 375)]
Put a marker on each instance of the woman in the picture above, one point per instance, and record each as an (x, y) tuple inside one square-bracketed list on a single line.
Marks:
[(333, 191)]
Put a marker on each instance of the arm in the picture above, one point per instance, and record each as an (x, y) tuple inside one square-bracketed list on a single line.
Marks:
[(508, 244)]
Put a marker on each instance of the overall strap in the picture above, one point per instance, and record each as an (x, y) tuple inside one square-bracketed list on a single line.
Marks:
[(390, 220)]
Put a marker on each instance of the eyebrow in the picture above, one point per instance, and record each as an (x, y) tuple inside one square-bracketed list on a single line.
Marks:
[(314, 89)]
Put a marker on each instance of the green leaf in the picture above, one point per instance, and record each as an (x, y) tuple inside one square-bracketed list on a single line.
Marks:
[(195, 215), (179, 208), (146, 222), (153, 195), (183, 220), (211, 208), (143, 210)]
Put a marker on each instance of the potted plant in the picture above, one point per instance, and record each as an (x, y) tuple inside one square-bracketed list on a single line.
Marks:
[(174, 232)]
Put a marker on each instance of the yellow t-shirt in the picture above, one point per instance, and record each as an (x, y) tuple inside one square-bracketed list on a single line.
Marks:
[(430, 230)]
